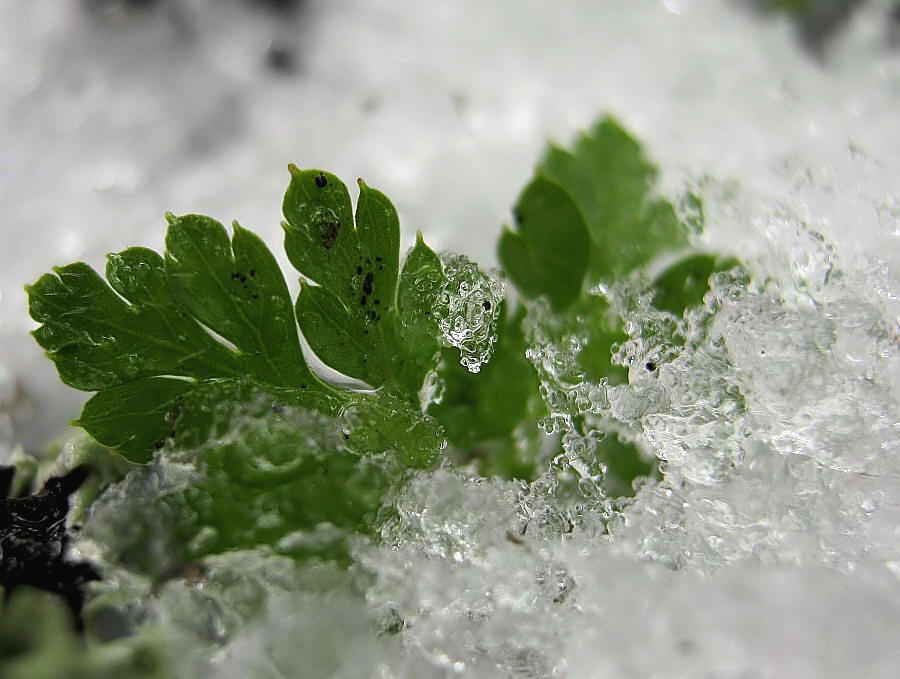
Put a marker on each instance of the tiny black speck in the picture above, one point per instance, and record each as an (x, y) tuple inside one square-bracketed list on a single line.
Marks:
[(486, 305), (362, 300), (321, 181), (650, 365), (377, 302), (252, 272), (358, 270), (255, 296), (378, 259)]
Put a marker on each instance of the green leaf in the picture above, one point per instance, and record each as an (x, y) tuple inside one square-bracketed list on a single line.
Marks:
[(134, 418), (480, 412), (170, 343), (235, 288), (549, 252), (320, 239), (604, 184), (592, 318), (379, 237), (624, 463), (296, 480), (98, 339), (420, 283), (610, 181), (683, 284), (354, 266), (350, 317), (214, 310), (343, 342)]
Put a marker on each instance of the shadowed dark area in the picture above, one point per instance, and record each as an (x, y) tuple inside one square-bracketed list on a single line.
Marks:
[(33, 540)]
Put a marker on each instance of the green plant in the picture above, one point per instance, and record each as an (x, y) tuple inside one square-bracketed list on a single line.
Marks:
[(196, 364)]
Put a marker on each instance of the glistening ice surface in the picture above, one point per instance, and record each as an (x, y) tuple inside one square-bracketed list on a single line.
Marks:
[(770, 546)]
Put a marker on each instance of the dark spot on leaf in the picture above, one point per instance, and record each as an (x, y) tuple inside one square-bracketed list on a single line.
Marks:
[(378, 259), (650, 365), (252, 272), (362, 300), (358, 270), (328, 231), (367, 283), (321, 181), (486, 305), (377, 302), (255, 296)]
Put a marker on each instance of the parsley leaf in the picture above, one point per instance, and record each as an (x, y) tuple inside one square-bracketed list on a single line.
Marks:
[(168, 340), (589, 216), (482, 412), (214, 314), (349, 315), (683, 284), (420, 283), (588, 213), (546, 261), (609, 179)]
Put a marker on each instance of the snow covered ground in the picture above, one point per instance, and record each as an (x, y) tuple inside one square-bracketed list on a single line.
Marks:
[(783, 562)]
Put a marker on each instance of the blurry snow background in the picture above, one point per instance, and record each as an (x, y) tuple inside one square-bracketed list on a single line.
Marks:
[(112, 113)]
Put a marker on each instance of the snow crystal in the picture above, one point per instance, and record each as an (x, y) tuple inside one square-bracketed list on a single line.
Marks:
[(467, 308)]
